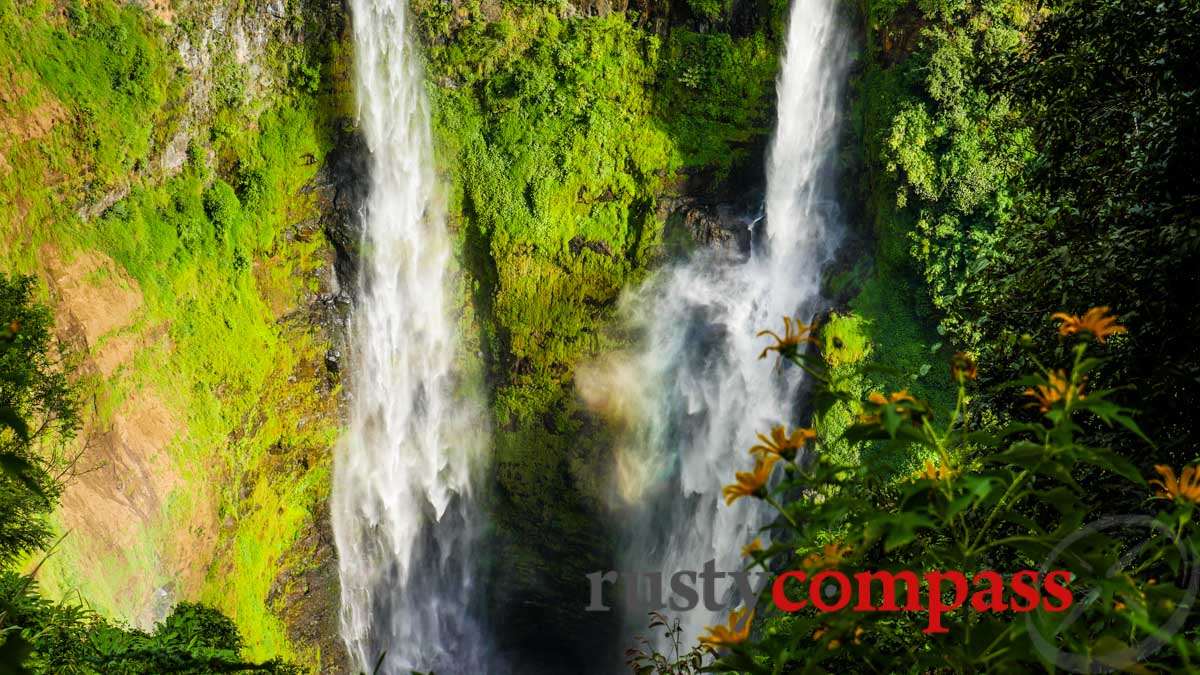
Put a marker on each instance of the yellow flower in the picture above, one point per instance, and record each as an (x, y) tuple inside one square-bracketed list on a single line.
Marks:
[(835, 643), (753, 547), (1187, 486), (1096, 321), (1057, 389), (727, 636), (962, 367), (794, 332), (934, 472), (781, 444), (831, 555), (901, 402), (750, 483), (901, 396)]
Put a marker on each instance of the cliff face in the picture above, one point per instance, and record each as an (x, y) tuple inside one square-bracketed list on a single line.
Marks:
[(164, 170), (185, 178), (584, 144)]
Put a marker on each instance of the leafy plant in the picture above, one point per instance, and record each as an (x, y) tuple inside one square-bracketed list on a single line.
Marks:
[(991, 505), (643, 659)]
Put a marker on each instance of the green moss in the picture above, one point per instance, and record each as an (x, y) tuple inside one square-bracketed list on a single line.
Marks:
[(715, 90), (561, 137), (882, 345), (188, 242), (846, 340)]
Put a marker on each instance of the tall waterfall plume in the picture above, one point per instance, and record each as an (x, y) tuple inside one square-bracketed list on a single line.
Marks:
[(695, 389), (403, 506)]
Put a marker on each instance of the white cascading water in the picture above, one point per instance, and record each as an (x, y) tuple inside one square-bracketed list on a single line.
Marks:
[(698, 392), (402, 502)]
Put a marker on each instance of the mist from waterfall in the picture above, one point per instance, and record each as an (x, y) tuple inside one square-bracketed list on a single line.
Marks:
[(403, 507), (695, 392)]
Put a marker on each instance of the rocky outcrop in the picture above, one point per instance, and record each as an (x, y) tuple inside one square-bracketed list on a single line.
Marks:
[(725, 227), (345, 180)]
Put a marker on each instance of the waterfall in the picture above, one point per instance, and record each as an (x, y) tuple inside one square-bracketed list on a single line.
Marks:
[(402, 507), (698, 389)]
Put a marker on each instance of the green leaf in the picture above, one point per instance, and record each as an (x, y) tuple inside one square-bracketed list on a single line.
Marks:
[(1062, 499), (1110, 461), (898, 529), (891, 420), (1022, 453), (1019, 519), (24, 471)]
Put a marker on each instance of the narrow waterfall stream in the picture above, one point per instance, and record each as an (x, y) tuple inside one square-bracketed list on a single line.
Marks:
[(701, 389), (402, 505)]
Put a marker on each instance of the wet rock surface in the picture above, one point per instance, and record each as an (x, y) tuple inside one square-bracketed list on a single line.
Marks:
[(345, 182), (728, 227)]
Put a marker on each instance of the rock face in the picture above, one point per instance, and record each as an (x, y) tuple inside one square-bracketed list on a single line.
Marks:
[(229, 53), (345, 179), (726, 227), (259, 37), (164, 525)]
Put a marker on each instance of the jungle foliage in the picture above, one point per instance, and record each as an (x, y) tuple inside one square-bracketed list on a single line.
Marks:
[(1037, 153), (38, 406), (41, 636)]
